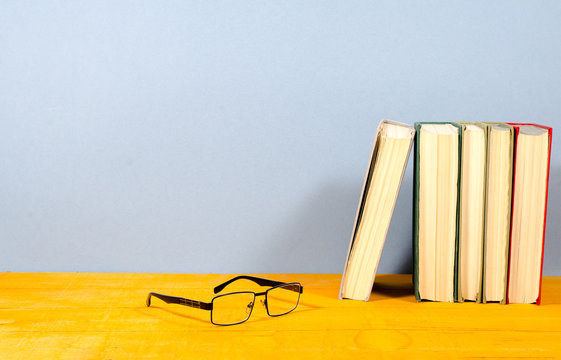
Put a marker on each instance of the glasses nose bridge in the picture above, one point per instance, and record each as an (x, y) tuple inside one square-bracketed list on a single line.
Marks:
[(263, 301)]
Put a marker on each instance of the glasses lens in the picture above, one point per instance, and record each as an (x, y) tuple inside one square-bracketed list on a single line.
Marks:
[(232, 308), (283, 299)]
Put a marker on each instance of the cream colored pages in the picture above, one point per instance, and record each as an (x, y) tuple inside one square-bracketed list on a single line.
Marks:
[(528, 210), (472, 207), (394, 144), (497, 221), (438, 192)]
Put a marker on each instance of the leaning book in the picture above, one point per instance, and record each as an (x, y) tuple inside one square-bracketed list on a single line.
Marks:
[(388, 161)]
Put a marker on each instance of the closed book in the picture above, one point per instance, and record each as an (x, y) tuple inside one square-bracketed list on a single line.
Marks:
[(532, 151), (471, 214), (387, 164), (435, 210), (500, 144)]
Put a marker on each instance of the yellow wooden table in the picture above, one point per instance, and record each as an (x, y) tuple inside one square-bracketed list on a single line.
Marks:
[(104, 316)]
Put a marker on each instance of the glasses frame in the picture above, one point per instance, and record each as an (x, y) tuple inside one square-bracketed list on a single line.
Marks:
[(276, 287), (229, 294), (209, 306)]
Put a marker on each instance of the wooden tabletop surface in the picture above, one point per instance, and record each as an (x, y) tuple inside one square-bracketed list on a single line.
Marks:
[(104, 316)]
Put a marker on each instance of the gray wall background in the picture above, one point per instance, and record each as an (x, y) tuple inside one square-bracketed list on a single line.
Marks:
[(226, 137)]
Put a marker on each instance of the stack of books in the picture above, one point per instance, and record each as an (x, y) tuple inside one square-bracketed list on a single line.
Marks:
[(479, 209)]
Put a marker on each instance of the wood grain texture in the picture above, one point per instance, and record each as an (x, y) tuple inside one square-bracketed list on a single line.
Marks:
[(104, 316)]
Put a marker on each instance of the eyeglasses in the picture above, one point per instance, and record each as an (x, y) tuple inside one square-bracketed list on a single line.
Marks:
[(236, 307)]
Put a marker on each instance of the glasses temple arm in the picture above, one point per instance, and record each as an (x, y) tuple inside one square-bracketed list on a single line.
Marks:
[(179, 300), (258, 281)]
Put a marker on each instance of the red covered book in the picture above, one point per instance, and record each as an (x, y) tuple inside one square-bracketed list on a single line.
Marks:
[(532, 152)]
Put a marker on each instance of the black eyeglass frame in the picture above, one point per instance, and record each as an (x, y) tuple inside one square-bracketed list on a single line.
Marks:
[(209, 306)]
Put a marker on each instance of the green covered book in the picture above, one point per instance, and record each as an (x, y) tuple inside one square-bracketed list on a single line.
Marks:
[(435, 210)]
